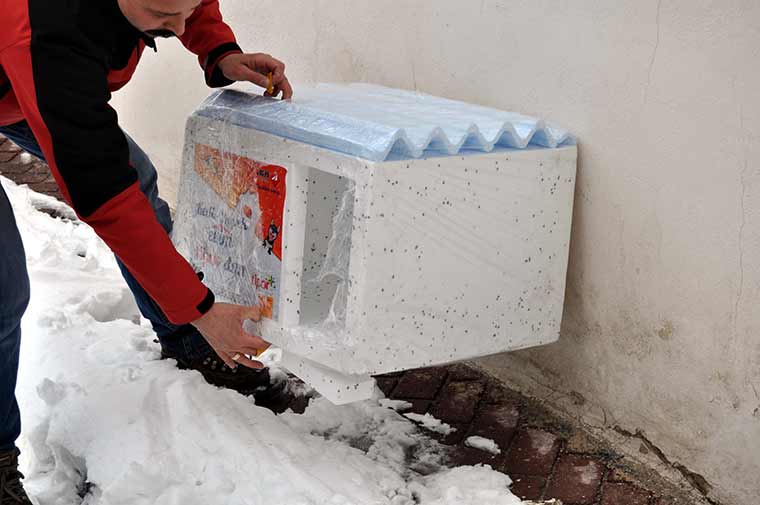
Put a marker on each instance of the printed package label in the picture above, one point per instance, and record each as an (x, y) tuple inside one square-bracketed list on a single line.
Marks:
[(238, 227)]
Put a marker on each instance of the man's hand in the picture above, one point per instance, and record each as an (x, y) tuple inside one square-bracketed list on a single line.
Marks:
[(255, 68), (222, 326)]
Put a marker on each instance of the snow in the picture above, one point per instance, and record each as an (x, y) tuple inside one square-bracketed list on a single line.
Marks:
[(483, 444), (431, 423), (397, 405), (105, 421)]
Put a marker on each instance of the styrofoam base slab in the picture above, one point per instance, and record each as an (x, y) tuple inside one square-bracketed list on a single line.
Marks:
[(336, 387)]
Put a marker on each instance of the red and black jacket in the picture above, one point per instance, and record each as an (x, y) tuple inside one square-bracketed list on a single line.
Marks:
[(59, 62)]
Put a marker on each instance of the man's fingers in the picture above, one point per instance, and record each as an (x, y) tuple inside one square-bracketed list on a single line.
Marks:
[(248, 336), (248, 341), (256, 67), (287, 90), (277, 68), (278, 72), (245, 73), (242, 360), (226, 358), (265, 63), (271, 64), (252, 312), (255, 350)]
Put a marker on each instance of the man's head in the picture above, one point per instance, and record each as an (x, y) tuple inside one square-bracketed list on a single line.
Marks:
[(159, 18)]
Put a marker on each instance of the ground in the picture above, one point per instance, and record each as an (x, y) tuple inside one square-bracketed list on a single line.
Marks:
[(134, 429)]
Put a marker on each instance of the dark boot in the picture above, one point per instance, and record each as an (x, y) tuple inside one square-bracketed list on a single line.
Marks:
[(11, 489), (246, 381)]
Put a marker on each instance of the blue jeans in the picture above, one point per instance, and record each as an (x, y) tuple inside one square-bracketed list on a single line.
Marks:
[(182, 341)]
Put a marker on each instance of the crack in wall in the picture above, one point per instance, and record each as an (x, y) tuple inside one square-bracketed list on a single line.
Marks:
[(742, 198), (698, 482), (740, 292), (414, 73), (654, 52), (317, 9)]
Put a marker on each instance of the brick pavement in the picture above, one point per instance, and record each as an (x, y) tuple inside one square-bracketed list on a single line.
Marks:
[(23, 168), (545, 457)]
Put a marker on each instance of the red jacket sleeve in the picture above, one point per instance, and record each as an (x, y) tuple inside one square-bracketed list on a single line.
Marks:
[(61, 86), (208, 36)]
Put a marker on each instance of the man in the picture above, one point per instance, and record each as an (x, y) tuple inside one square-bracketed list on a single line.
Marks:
[(59, 62)]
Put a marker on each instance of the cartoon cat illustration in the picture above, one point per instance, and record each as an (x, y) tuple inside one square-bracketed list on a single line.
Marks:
[(271, 237)]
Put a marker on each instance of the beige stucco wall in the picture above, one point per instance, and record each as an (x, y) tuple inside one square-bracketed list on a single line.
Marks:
[(662, 323)]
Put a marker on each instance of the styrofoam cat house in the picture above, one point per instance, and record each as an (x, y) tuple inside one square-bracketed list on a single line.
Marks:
[(380, 230)]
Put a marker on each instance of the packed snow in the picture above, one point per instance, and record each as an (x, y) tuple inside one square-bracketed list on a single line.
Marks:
[(397, 405), (483, 444), (105, 421), (431, 423)]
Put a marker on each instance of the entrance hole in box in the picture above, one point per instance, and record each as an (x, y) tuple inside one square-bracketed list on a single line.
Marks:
[(327, 247)]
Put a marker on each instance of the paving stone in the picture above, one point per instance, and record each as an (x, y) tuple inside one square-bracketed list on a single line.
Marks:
[(621, 493), (576, 479), (49, 188), (419, 406), (541, 417), (497, 393), (9, 147), (31, 179), (6, 156), (423, 383), (40, 168), (582, 443), (13, 169), (497, 422), (620, 475), (666, 500), (26, 159), (671, 500), (386, 384), (49, 184), (457, 402), (464, 455), (533, 453), (528, 487), (462, 372)]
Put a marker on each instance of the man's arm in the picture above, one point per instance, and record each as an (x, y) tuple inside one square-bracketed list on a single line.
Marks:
[(221, 58), (209, 37), (62, 90)]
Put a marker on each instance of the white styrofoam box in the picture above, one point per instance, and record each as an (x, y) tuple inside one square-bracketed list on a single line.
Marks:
[(378, 266)]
